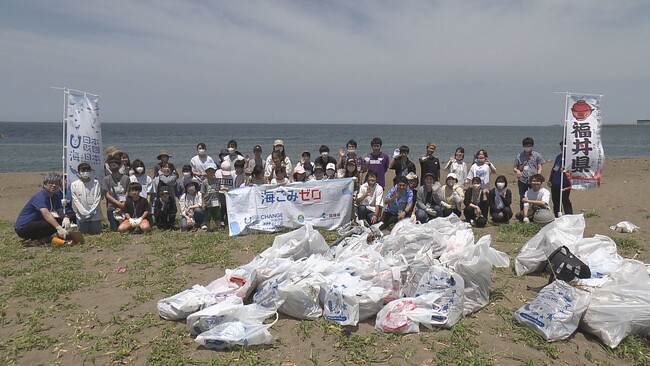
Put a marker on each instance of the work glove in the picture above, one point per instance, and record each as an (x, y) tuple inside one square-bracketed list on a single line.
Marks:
[(61, 232), (66, 223), (133, 222), (431, 212), (138, 221), (64, 202), (457, 197), (446, 205)]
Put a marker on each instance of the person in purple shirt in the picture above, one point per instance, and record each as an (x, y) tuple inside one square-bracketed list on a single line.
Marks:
[(377, 162), (43, 213)]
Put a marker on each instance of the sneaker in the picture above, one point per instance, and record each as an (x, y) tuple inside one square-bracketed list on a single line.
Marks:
[(204, 227), (526, 220)]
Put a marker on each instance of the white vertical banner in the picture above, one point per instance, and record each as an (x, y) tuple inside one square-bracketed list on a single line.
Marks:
[(584, 155), (83, 134), (325, 204)]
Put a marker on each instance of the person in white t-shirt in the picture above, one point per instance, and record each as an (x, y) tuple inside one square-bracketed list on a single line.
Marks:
[(86, 198), (201, 160), (536, 203), (482, 169), (370, 199)]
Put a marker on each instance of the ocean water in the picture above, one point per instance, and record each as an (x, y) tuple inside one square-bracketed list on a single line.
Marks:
[(28, 147)]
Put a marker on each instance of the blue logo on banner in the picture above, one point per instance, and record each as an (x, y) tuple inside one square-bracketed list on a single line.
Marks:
[(301, 219), (234, 228), (346, 191)]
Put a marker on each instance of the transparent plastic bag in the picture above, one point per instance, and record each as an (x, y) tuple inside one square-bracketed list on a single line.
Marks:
[(621, 306), (237, 333), (556, 311), (186, 302)]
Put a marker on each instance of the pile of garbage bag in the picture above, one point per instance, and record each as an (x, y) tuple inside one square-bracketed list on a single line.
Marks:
[(611, 304), (420, 274)]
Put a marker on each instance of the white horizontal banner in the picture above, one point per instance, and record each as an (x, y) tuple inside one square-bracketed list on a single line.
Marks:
[(325, 204)]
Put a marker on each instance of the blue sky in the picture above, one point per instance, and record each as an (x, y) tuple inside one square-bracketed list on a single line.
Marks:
[(420, 62)]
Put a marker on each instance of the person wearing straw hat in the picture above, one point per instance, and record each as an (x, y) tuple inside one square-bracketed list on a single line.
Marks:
[(163, 157)]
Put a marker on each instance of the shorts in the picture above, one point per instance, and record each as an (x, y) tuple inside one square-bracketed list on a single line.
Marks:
[(213, 213)]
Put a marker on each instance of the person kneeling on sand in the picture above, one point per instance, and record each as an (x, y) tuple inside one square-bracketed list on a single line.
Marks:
[(536, 203), (43, 213), (190, 203), (136, 210)]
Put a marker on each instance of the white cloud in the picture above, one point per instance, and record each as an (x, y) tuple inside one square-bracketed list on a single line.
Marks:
[(341, 61)]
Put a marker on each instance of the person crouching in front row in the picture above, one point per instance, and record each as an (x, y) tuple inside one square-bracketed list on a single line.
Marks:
[(165, 209), (136, 210)]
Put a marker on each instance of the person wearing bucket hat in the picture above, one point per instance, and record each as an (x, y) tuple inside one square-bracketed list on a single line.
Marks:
[(163, 157), (109, 155), (278, 157), (452, 196), (191, 203)]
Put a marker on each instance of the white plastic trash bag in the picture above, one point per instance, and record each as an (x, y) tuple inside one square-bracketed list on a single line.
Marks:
[(624, 227), (443, 290), (242, 332), (393, 318), (565, 230), (556, 311), (621, 306), (186, 302), (211, 316), (297, 244)]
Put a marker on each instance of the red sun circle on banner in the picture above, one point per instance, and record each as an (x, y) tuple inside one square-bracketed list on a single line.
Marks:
[(581, 110)]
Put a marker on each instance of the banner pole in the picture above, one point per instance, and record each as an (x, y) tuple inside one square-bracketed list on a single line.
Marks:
[(564, 145), (65, 147)]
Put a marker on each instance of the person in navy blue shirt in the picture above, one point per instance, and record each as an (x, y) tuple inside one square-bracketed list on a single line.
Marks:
[(43, 213)]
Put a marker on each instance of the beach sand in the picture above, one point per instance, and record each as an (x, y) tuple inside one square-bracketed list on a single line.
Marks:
[(620, 197)]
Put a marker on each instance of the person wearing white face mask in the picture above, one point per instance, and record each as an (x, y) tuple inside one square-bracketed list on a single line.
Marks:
[(500, 199), (233, 154), (330, 171), (201, 160), (324, 157), (148, 189), (186, 177), (86, 198), (527, 164)]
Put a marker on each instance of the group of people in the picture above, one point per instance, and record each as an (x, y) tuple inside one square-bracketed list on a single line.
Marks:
[(137, 201)]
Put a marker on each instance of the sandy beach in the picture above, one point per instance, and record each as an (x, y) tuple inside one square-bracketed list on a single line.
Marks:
[(618, 198), (108, 312)]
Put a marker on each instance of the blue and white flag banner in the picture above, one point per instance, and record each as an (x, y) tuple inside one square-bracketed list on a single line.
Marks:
[(83, 135), (325, 204), (584, 155)]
